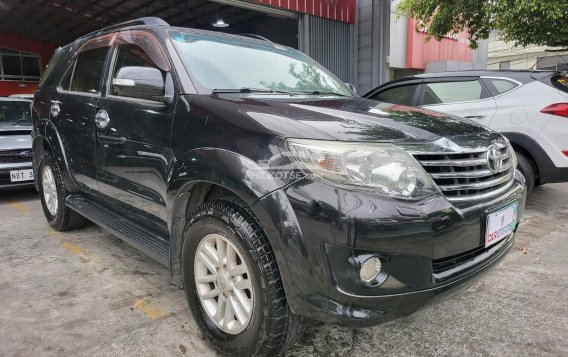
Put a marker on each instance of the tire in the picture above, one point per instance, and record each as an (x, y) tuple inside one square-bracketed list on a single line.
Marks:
[(52, 194), (527, 169), (272, 327)]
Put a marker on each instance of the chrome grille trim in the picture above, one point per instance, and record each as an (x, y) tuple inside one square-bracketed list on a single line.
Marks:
[(465, 175), (476, 186), (462, 163), (468, 174), (483, 196)]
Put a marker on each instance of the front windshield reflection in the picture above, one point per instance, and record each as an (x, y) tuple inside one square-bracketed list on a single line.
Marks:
[(234, 62), (15, 113)]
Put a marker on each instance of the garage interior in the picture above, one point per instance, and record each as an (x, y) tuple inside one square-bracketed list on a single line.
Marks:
[(60, 22), (32, 29)]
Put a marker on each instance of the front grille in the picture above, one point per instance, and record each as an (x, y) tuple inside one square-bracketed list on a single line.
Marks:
[(444, 267), (464, 177), (443, 264), (15, 156)]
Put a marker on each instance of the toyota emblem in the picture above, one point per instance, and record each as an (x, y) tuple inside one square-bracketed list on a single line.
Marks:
[(494, 161)]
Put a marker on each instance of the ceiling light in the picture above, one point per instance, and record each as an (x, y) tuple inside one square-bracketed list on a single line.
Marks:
[(220, 23)]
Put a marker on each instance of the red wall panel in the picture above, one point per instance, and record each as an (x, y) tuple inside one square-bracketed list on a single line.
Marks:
[(340, 10), (419, 52), (17, 42)]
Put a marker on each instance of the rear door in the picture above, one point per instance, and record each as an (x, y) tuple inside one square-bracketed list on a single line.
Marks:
[(133, 148), (466, 97), (73, 106)]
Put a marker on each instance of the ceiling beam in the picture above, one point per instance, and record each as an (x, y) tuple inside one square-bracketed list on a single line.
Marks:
[(76, 16)]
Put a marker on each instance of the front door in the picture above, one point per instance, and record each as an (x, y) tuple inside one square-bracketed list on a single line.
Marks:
[(133, 138), (73, 110)]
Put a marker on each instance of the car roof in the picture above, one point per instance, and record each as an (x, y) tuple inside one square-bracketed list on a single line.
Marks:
[(523, 76)]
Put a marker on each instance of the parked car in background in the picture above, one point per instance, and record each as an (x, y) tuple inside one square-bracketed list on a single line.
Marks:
[(15, 143), (272, 193), (529, 107)]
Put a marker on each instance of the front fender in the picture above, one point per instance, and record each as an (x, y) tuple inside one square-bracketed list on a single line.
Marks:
[(45, 135), (242, 176)]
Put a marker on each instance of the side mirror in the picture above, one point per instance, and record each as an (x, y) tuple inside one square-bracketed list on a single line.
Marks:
[(352, 87), (139, 82)]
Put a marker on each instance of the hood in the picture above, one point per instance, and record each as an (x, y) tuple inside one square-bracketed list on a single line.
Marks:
[(359, 119), (15, 137)]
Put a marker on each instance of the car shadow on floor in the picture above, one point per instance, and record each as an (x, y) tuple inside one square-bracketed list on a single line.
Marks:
[(24, 195)]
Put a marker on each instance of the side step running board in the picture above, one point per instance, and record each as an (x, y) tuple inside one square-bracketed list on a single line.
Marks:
[(148, 242)]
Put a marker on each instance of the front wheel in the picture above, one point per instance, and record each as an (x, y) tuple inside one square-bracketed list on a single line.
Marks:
[(526, 168), (233, 284), (52, 194)]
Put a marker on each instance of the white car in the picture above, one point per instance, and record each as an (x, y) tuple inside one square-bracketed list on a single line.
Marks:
[(15, 144), (529, 107)]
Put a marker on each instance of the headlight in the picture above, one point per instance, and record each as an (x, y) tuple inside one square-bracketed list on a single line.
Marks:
[(382, 168), (513, 155)]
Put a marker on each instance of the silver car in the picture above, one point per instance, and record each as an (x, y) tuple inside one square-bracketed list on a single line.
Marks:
[(15, 144)]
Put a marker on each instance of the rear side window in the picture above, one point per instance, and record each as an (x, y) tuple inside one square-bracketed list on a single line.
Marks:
[(53, 62), (403, 95), (453, 92), (86, 76), (560, 82), (502, 85)]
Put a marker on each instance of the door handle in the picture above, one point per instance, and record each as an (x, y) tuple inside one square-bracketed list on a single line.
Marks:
[(54, 110), (102, 119), (477, 116)]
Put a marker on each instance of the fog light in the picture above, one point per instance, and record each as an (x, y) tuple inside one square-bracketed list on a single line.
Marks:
[(370, 269)]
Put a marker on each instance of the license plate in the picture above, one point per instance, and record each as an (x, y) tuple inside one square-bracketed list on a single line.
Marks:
[(500, 224), (21, 175)]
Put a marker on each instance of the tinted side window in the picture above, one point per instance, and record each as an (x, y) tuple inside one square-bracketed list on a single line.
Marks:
[(452, 92), (131, 55), (397, 95), (53, 62), (88, 70), (502, 85), (66, 81)]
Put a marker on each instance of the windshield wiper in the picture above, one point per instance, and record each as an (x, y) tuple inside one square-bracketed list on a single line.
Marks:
[(321, 92), (250, 90)]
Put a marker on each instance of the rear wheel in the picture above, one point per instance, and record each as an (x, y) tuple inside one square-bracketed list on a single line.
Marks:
[(233, 285), (527, 169), (52, 194)]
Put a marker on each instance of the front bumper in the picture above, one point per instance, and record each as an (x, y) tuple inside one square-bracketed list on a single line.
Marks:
[(6, 184), (430, 249)]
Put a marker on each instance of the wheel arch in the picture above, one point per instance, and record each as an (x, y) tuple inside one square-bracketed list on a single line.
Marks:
[(46, 138), (217, 173), (532, 151)]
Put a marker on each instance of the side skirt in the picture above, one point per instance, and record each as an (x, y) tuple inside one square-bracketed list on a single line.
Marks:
[(123, 225)]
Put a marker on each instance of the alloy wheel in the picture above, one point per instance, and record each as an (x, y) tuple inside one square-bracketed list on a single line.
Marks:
[(49, 188), (223, 283)]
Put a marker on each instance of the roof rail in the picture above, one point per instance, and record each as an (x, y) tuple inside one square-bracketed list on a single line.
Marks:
[(254, 36), (150, 21)]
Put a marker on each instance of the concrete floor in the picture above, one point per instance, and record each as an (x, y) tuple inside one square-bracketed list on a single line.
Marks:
[(87, 293)]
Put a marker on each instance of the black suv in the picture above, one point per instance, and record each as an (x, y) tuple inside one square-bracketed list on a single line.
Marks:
[(269, 189)]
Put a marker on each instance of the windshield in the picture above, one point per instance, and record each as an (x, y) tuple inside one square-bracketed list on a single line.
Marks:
[(15, 113), (231, 62)]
